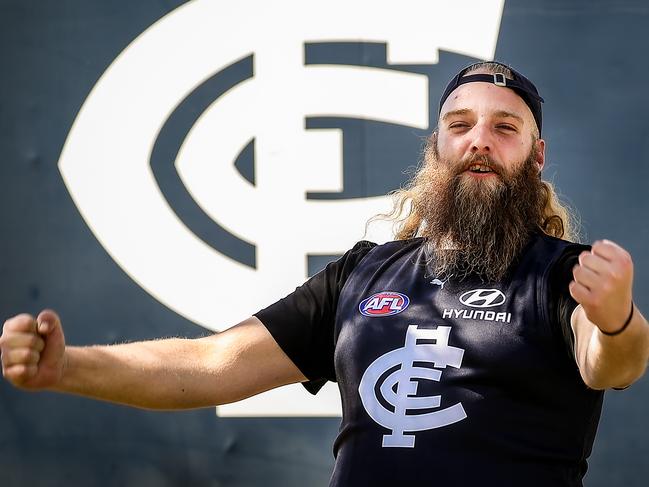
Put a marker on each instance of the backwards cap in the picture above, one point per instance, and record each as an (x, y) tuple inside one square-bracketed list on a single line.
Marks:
[(519, 83)]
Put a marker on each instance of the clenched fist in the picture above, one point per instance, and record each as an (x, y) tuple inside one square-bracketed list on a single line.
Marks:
[(602, 284), (33, 350)]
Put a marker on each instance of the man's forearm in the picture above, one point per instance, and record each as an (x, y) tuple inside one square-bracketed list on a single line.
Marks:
[(616, 361), (161, 374)]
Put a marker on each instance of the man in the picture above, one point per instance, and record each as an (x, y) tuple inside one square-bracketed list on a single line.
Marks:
[(473, 349)]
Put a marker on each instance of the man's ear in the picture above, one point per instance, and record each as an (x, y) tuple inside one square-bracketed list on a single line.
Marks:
[(539, 153)]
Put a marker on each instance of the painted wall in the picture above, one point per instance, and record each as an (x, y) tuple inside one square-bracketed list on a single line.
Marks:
[(283, 114)]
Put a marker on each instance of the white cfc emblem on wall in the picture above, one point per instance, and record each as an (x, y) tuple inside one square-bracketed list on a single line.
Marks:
[(399, 388), (107, 167)]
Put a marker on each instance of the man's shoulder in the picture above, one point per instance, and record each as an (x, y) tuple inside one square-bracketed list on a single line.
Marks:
[(397, 246), (542, 242), (403, 243), (365, 251), (546, 255)]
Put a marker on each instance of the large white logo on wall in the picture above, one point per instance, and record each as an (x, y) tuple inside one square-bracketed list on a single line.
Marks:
[(105, 160)]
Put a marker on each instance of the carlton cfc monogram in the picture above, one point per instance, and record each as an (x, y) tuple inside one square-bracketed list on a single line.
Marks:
[(404, 420)]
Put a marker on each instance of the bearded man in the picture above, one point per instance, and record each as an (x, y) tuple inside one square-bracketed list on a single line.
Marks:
[(473, 349)]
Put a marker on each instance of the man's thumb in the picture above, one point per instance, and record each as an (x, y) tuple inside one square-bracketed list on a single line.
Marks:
[(48, 321)]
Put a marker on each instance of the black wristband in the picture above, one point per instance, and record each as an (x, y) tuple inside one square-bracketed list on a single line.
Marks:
[(626, 323)]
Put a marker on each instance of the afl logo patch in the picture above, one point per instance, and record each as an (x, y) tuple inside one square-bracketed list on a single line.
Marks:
[(385, 303)]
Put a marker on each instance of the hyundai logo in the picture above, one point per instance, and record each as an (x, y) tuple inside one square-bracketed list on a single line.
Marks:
[(483, 298)]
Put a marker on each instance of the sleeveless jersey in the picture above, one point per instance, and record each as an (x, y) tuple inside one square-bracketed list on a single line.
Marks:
[(456, 383)]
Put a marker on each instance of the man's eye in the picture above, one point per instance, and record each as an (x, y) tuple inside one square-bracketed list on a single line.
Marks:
[(458, 125), (507, 128)]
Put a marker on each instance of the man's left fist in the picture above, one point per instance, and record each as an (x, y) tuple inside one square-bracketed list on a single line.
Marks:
[(602, 284)]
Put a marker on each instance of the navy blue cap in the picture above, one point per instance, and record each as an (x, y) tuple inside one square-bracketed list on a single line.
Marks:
[(519, 83)]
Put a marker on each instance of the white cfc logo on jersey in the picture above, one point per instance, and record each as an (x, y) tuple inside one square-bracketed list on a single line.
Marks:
[(402, 417)]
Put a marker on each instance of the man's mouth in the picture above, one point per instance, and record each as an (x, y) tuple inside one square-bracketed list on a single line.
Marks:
[(480, 169)]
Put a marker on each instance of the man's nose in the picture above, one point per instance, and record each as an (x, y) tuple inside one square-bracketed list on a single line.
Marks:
[(482, 141)]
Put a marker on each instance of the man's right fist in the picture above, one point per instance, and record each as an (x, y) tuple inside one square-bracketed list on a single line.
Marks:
[(33, 350)]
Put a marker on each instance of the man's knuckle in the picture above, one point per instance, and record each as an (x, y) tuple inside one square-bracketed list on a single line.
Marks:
[(7, 326), (34, 340), (626, 261), (586, 297), (33, 356), (605, 286), (20, 355), (16, 372), (25, 372), (582, 296), (19, 322), (10, 341), (14, 358), (24, 318), (595, 303), (38, 344)]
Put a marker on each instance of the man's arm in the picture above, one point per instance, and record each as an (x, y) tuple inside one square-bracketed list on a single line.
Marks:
[(602, 286), (160, 374)]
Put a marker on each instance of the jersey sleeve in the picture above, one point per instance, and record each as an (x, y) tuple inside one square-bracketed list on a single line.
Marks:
[(302, 323), (561, 303)]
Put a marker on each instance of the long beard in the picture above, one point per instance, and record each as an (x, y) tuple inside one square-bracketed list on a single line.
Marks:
[(479, 226)]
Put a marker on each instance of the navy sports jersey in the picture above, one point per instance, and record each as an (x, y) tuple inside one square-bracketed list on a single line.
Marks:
[(443, 382)]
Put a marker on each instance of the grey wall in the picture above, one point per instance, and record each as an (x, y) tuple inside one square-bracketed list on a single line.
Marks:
[(589, 60)]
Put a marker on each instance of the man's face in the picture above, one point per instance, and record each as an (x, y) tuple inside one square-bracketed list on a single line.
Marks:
[(483, 196), (487, 130)]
